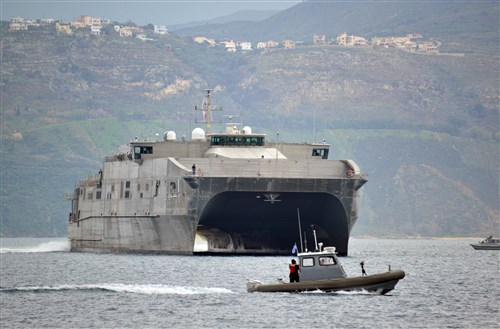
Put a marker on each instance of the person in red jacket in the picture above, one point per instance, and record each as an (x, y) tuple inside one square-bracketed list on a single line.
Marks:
[(294, 271)]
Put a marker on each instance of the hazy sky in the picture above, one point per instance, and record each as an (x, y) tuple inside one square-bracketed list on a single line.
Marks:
[(164, 12)]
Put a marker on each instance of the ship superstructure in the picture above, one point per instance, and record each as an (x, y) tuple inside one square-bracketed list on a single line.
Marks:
[(228, 192)]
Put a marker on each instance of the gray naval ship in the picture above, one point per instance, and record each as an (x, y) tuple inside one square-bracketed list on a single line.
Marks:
[(230, 193)]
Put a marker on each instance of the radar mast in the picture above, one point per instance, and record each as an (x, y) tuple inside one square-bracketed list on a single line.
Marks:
[(207, 109)]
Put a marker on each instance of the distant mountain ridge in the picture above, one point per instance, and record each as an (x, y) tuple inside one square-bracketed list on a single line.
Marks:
[(239, 16), (472, 23)]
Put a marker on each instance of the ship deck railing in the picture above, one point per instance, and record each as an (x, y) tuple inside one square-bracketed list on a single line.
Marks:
[(91, 180)]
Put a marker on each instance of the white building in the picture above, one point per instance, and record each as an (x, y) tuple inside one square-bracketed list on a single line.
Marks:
[(267, 44), (230, 46), (95, 29), (160, 29), (245, 45)]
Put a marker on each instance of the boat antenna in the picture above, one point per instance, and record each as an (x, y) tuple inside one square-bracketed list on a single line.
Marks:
[(315, 239), (300, 231)]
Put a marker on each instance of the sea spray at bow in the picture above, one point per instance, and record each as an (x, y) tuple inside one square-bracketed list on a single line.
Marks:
[(50, 246)]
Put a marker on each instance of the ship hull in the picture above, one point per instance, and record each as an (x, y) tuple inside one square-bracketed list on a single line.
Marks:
[(230, 216), (133, 234), (233, 201)]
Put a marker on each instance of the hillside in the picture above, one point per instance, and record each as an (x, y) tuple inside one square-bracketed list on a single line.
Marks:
[(467, 26), (53, 77), (424, 127)]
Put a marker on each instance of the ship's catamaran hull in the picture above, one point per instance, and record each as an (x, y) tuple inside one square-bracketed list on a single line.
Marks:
[(228, 192), (159, 205)]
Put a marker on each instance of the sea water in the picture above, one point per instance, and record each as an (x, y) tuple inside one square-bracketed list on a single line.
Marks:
[(448, 284)]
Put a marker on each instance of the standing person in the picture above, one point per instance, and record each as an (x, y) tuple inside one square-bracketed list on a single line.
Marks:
[(193, 168), (294, 271), (363, 272)]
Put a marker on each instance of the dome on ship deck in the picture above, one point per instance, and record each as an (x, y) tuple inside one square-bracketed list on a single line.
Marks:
[(247, 130), (169, 136), (198, 134)]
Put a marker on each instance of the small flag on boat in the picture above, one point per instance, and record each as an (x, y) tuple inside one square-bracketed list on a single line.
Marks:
[(294, 249)]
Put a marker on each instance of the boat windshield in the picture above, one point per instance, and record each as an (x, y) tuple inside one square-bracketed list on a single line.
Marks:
[(307, 261), (326, 260)]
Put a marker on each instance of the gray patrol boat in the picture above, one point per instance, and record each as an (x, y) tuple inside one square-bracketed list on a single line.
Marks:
[(231, 193)]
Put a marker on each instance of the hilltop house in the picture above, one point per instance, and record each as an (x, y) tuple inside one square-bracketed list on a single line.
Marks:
[(160, 29), (407, 43), (96, 24), (47, 21), (319, 39), (244, 45), (288, 44), (95, 29), (85, 20), (201, 39), (129, 31), (350, 40), (428, 47), (64, 28), (18, 24), (21, 24), (77, 25), (267, 44), (230, 45)]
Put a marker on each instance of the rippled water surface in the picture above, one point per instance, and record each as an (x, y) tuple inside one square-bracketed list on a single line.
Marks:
[(447, 285)]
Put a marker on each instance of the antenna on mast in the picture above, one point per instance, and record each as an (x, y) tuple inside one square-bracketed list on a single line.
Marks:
[(315, 239), (207, 109), (305, 240), (300, 231)]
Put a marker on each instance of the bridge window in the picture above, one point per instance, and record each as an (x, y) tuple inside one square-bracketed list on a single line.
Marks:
[(138, 150), (239, 140), (322, 152)]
